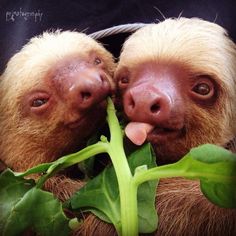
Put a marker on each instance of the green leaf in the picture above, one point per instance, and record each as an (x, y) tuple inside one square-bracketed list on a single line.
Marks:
[(87, 166), (41, 168), (221, 192), (101, 193), (216, 169), (101, 196), (147, 191), (23, 207), (210, 153), (12, 189), (223, 195)]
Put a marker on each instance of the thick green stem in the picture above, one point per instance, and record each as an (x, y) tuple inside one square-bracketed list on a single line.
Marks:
[(186, 167), (127, 189), (69, 160), (165, 171)]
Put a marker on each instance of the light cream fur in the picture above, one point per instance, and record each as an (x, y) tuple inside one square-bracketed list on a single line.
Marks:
[(27, 141), (199, 44), (182, 208), (202, 48)]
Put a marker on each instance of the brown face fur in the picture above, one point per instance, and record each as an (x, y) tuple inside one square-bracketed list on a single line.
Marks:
[(52, 97), (179, 76), (181, 207)]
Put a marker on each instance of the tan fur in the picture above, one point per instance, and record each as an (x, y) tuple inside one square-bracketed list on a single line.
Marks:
[(182, 211), (200, 48), (63, 187), (181, 207), (25, 140), (204, 49)]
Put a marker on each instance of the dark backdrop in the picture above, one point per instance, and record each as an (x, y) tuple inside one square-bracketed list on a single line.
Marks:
[(22, 19)]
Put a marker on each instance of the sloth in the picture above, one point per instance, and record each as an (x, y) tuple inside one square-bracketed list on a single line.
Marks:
[(177, 84), (53, 97)]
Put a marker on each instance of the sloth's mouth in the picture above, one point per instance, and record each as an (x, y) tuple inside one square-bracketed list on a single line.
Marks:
[(139, 132), (90, 117), (164, 134), (77, 123)]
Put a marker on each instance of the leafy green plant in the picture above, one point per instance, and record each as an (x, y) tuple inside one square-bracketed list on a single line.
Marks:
[(24, 206), (123, 194)]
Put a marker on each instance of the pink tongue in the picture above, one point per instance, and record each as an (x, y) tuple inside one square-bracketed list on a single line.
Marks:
[(137, 132)]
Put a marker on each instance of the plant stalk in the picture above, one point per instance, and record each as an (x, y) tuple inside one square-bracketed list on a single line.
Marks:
[(165, 171), (127, 188), (72, 159)]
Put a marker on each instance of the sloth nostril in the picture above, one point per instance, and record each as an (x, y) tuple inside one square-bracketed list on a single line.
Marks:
[(85, 95), (155, 108), (131, 103), (103, 80)]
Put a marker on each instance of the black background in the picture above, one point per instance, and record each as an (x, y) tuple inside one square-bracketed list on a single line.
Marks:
[(91, 16)]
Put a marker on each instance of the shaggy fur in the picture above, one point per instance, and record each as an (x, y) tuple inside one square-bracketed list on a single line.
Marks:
[(200, 47), (27, 137), (182, 211), (197, 48)]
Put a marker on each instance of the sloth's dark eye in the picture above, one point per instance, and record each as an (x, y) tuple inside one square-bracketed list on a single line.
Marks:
[(124, 80), (202, 89), (39, 102), (97, 61)]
